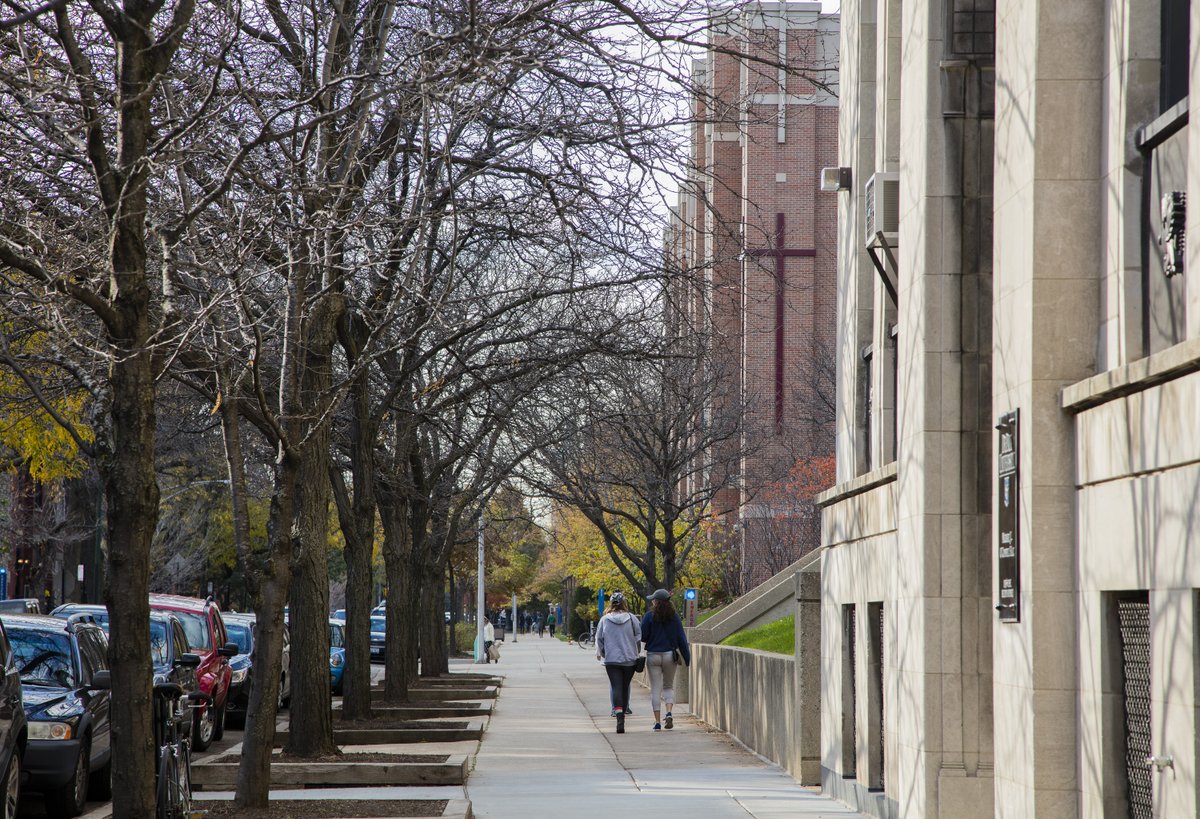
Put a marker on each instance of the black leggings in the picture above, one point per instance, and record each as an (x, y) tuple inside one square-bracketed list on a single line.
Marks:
[(619, 678)]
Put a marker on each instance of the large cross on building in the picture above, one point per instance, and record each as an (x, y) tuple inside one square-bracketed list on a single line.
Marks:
[(780, 254)]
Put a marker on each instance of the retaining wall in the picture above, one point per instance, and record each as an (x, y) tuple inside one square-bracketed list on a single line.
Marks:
[(750, 695)]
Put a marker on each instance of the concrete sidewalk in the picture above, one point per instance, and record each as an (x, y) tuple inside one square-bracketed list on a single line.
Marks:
[(551, 750)]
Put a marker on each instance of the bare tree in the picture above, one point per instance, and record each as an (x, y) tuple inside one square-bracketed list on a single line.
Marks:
[(634, 458)]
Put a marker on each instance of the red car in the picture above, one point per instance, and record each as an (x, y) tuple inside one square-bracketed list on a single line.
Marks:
[(207, 637)]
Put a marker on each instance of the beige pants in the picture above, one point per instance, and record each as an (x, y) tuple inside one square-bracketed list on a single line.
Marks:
[(661, 667)]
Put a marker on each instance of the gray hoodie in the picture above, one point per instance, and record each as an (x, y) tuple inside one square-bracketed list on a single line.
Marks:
[(617, 638)]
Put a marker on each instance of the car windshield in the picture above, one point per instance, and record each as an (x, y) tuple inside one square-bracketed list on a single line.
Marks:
[(158, 642), (195, 626), (335, 637), (42, 658), (242, 634), (378, 624)]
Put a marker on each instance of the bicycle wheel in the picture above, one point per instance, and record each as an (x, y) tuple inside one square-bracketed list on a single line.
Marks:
[(585, 641), (183, 779), (166, 774)]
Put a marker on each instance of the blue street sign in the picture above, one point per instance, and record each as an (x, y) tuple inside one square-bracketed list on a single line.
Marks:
[(690, 594), (601, 604)]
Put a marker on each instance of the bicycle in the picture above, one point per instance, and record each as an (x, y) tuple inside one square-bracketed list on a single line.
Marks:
[(172, 717), (588, 638)]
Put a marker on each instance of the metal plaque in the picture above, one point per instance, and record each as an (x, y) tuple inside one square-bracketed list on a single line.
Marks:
[(1008, 564)]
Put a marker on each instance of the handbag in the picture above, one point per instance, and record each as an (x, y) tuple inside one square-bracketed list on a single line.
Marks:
[(639, 665)]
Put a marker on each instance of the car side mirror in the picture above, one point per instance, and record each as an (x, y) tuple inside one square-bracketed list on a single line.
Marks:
[(188, 660), (102, 680), (228, 650)]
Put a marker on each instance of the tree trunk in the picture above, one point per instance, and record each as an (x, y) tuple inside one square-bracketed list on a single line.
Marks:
[(132, 494), (356, 679), (254, 777), (310, 720), (399, 665), (357, 517), (236, 463), (433, 628)]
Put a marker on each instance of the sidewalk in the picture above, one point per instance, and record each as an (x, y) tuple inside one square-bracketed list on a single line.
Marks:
[(551, 751)]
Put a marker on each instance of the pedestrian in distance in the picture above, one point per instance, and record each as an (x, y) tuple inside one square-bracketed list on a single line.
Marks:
[(489, 638), (551, 622), (666, 648), (617, 639)]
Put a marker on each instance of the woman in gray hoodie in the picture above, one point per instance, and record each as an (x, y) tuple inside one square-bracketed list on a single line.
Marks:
[(617, 639)]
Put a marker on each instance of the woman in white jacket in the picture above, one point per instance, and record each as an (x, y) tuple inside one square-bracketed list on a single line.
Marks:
[(617, 639)]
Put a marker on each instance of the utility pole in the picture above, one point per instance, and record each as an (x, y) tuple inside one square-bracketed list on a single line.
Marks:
[(480, 656)]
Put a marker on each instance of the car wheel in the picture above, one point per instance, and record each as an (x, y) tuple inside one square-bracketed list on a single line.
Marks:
[(202, 730), (100, 783), (219, 723), (12, 786), (71, 799)]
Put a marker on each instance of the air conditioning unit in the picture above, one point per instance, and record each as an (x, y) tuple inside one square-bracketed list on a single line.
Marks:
[(882, 208)]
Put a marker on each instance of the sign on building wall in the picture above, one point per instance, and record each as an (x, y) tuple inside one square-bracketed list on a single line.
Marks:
[(1008, 569)]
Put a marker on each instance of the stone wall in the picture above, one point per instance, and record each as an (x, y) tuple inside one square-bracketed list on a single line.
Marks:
[(750, 695)]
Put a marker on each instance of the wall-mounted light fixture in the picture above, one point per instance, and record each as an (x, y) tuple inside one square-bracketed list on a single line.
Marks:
[(835, 179)]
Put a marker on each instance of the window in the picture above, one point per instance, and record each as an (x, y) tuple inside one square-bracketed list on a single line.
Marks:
[(243, 635), (181, 643), (1176, 27), (43, 658), (867, 393), (1162, 146), (91, 654), (159, 654), (195, 626), (849, 699), (973, 27), (1127, 684), (875, 698)]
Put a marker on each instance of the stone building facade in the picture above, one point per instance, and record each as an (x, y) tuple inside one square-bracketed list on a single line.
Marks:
[(1009, 589), (759, 238)]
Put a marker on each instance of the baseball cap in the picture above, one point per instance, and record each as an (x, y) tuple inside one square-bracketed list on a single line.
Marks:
[(661, 594)]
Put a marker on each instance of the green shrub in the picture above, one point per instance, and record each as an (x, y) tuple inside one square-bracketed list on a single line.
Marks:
[(778, 637), (464, 637)]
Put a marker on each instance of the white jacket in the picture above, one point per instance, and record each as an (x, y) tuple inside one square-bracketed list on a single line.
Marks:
[(617, 638), (489, 633)]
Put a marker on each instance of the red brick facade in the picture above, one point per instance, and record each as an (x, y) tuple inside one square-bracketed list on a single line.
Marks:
[(757, 210)]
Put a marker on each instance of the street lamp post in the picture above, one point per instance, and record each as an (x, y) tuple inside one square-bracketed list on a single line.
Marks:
[(480, 655)]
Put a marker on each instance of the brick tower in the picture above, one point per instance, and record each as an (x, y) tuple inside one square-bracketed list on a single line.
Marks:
[(761, 239)]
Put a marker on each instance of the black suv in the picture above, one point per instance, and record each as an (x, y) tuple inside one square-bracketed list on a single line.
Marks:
[(240, 628), (12, 730), (68, 751)]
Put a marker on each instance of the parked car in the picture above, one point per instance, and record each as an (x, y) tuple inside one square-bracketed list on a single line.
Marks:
[(340, 614), (20, 605), (207, 637), (13, 731), (99, 613), (241, 631), (69, 750), (337, 654), (169, 652), (378, 637)]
